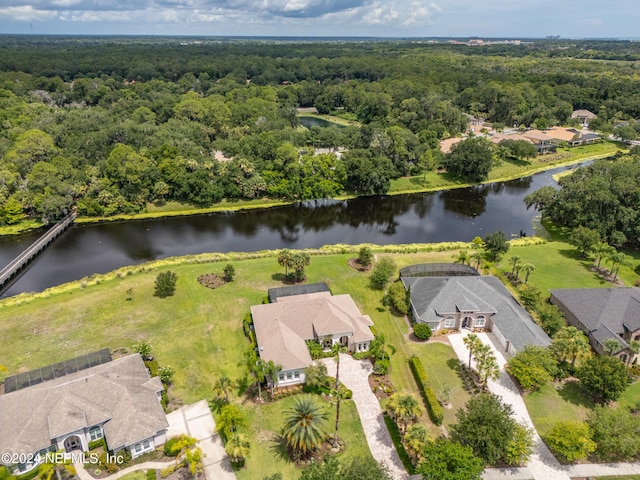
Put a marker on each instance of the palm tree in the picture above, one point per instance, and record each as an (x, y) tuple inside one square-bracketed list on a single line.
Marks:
[(299, 260), (237, 448), (229, 420), (285, 260), (271, 371), (611, 346), (472, 342), (223, 386), (408, 410), (486, 364), (528, 268), (570, 343), (415, 439), (304, 424), (602, 250), (477, 257), (514, 261), (463, 257), (618, 260)]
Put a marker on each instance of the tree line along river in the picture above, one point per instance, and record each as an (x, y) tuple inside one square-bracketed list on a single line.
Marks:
[(449, 215)]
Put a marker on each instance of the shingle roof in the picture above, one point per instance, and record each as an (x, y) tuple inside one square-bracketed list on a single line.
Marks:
[(434, 297), (283, 327), (615, 308), (120, 393)]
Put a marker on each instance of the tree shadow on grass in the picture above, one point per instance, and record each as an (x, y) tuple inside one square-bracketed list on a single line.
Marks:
[(279, 449), (572, 393), (216, 404), (243, 384)]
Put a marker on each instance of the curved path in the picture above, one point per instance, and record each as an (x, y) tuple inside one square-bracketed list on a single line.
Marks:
[(354, 374)]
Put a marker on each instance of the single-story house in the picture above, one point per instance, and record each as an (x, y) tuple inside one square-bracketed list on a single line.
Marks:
[(603, 314), (584, 116), (283, 328), (473, 302), (117, 401)]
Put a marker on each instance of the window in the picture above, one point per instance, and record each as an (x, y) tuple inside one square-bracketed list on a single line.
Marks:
[(449, 322), (288, 375), (281, 377), (142, 447), (479, 321), (296, 374), (95, 433)]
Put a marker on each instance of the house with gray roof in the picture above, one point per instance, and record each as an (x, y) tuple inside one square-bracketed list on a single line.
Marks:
[(117, 401), (283, 328), (603, 314), (474, 303)]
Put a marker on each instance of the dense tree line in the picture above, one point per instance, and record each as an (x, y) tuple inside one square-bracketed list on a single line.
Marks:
[(113, 124), (603, 199)]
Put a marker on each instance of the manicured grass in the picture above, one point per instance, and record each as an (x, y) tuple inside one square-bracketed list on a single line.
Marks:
[(268, 455), (329, 118), (137, 475), (627, 477), (441, 364), (550, 405), (631, 396)]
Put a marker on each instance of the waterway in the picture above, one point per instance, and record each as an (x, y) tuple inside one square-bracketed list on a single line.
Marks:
[(452, 215)]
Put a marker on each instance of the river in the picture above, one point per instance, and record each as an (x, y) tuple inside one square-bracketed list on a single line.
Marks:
[(451, 215)]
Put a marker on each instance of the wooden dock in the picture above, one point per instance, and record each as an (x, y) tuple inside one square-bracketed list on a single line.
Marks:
[(22, 260)]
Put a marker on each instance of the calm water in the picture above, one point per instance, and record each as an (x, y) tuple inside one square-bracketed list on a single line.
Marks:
[(317, 122), (451, 215)]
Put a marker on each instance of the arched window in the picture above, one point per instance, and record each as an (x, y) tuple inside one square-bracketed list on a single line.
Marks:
[(449, 322), (480, 321)]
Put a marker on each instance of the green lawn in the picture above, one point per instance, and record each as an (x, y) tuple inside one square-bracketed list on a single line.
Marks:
[(550, 405), (627, 477), (268, 456), (137, 475)]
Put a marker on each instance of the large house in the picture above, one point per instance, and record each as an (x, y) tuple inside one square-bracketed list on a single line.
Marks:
[(283, 327), (117, 401), (603, 314), (584, 116), (471, 302)]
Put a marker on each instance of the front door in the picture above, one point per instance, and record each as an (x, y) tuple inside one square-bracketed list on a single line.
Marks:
[(72, 443), (466, 322)]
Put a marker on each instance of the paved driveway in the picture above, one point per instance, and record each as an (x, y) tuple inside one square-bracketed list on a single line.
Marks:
[(354, 375), (196, 421), (542, 465)]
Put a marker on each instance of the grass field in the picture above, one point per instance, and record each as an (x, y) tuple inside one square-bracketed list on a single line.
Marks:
[(198, 331)]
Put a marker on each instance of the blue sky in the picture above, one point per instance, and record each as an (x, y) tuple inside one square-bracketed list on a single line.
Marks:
[(397, 18)]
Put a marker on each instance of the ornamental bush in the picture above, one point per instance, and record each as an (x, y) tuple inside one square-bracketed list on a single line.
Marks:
[(422, 331)]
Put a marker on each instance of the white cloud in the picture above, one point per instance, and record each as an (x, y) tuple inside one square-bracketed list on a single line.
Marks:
[(26, 13)]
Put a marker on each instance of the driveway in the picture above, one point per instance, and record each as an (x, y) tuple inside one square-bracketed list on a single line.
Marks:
[(542, 465), (196, 421), (354, 374)]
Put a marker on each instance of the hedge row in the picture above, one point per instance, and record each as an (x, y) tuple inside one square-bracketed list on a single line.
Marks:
[(433, 407)]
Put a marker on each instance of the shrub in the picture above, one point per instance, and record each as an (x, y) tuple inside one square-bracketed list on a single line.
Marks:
[(112, 468), (570, 440), (365, 256), (172, 447), (228, 272), (151, 474), (433, 407), (97, 443), (381, 273), (165, 472), (422, 331), (397, 296), (166, 374), (381, 367), (144, 348), (165, 285)]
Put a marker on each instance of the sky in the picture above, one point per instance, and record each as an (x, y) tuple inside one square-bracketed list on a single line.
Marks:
[(340, 18)]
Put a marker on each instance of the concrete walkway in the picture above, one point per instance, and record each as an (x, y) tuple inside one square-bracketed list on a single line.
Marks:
[(542, 464), (196, 421), (354, 374), (84, 475)]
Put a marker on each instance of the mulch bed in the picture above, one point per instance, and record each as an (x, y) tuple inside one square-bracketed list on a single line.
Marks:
[(211, 280), (355, 264), (381, 386)]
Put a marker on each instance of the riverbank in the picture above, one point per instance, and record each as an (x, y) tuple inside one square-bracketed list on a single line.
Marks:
[(435, 181)]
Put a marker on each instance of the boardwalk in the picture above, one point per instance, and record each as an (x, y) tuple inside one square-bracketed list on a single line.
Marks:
[(34, 249)]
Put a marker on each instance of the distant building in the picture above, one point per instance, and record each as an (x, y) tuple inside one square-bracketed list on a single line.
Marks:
[(584, 116)]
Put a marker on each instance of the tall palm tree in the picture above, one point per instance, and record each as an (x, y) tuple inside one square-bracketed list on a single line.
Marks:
[(601, 251), (285, 260), (528, 268), (271, 371), (304, 424), (486, 364), (237, 448), (514, 261), (477, 257), (472, 342), (223, 386)]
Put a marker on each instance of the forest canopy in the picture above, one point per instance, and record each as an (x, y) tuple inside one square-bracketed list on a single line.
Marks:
[(112, 124)]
